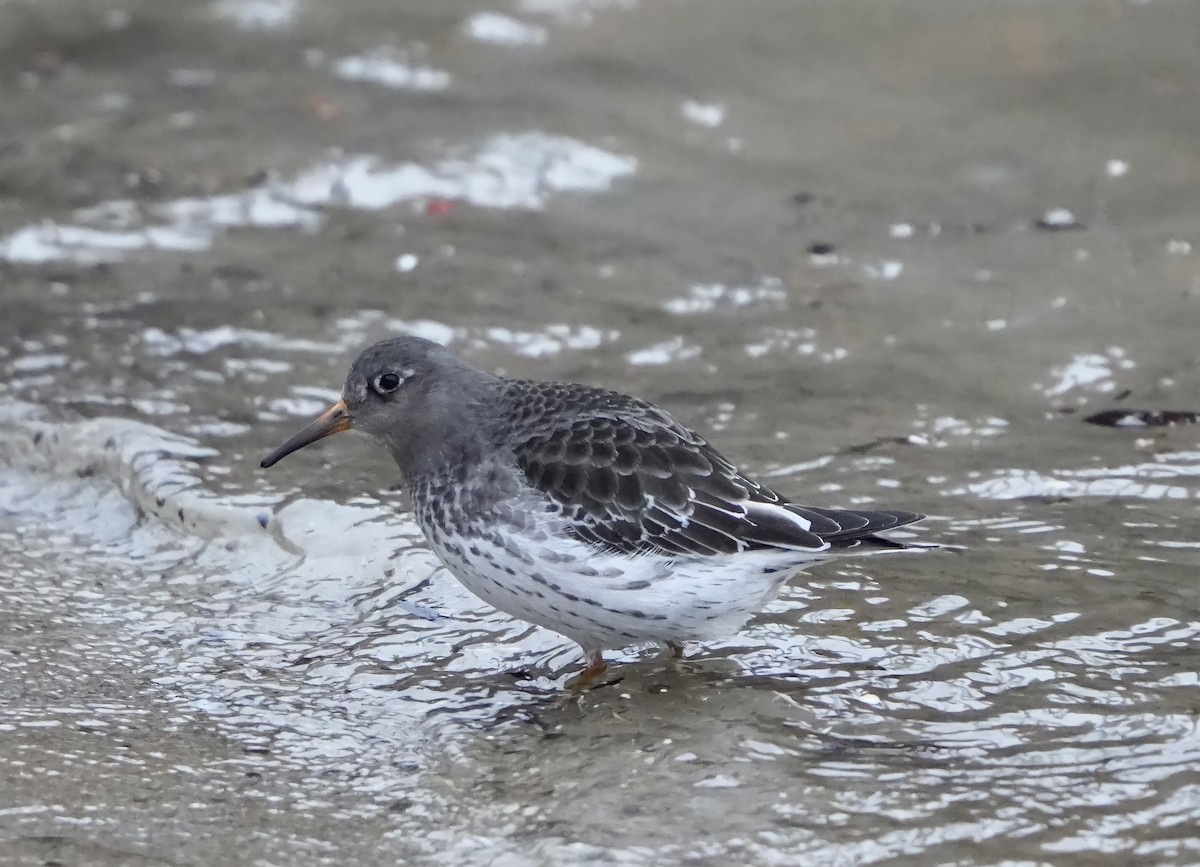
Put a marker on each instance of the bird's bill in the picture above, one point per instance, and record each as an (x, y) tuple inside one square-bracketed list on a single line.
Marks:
[(334, 420)]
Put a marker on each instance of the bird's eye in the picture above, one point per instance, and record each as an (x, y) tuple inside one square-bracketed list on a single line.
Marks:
[(386, 383)]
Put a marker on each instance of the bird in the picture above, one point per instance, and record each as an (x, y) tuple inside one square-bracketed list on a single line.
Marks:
[(587, 511)]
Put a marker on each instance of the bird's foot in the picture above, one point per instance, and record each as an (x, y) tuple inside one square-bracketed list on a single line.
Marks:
[(596, 666)]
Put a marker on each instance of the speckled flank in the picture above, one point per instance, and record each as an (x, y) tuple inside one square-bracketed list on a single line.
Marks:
[(527, 568)]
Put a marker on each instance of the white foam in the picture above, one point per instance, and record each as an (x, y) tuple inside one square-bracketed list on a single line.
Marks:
[(705, 297), (503, 30), (937, 431), (51, 242), (258, 14), (1058, 218), (511, 170), (887, 270), (1087, 370), (1171, 477), (389, 68), (260, 207), (799, 341), (39, 361), (543, 342), (665, 352), (161, 343), (551, 340), (706, 114), (572, 12)]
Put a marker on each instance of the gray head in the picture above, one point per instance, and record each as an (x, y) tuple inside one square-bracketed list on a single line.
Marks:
[(411, 395)]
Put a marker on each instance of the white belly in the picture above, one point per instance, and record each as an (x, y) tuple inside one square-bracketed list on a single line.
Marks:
[(608, 600)]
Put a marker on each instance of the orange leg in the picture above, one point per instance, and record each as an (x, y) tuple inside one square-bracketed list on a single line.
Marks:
[(596, 666)]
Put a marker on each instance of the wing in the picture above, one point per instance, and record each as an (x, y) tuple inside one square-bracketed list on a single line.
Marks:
[(631, 478)]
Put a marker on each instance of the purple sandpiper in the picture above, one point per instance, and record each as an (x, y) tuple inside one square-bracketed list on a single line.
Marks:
[(586, 511)]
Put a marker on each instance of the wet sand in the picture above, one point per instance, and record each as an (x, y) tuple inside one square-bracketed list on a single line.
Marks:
[(888, 254)]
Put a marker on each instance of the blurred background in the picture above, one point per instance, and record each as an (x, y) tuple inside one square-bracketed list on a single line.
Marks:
[(886, 253)]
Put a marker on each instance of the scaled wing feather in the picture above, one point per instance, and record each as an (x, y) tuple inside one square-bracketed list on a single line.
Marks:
[(629, 477)]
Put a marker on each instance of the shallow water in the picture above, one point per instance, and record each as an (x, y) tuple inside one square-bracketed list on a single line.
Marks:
[(810, 229)]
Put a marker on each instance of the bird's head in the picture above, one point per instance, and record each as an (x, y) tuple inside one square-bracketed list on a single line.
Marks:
[(408, 393)]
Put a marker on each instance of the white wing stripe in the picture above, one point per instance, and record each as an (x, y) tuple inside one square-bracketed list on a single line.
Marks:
[(777, 512)]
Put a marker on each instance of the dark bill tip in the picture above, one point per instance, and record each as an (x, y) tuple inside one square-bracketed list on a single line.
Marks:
[(334, 420)]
